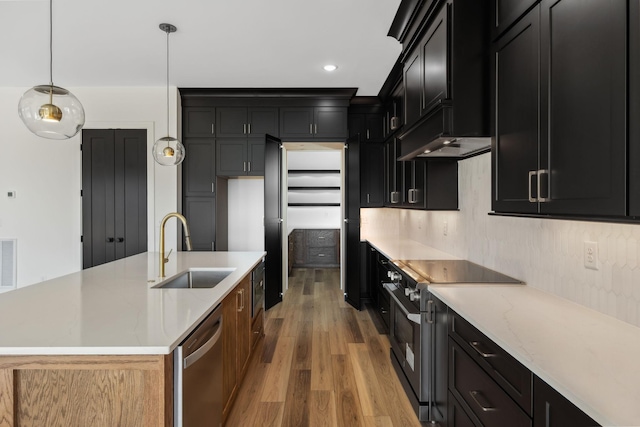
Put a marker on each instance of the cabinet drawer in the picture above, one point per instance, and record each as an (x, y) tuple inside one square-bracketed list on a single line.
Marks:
[(322, 256), (321, 238), (480, 393), (257, 328), (457, 416), (510, 374)]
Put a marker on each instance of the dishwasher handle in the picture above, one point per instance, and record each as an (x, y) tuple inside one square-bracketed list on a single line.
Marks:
[(196, 355)]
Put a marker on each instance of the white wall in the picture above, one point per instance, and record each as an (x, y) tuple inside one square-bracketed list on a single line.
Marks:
[(45, 216), (546, 254), (246, 214)]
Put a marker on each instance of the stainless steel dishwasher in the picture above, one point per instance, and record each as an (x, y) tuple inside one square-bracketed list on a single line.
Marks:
[(198, 375)]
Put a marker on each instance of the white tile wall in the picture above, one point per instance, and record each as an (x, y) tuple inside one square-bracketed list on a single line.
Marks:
[(546, 254)]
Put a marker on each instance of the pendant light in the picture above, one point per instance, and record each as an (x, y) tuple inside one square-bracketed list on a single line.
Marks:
[(50, 111), (168, 151)]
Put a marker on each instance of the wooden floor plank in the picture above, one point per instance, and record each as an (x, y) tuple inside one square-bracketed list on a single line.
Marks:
[(371, 396), (277, 378), (271, 335), (266, 414), (351, 326), (321, 373), (296, 407), (348, 410), (322, 409), (302, 351)]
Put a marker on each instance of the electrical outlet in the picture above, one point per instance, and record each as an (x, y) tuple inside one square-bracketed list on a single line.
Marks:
[(591, 255), (445, 228)]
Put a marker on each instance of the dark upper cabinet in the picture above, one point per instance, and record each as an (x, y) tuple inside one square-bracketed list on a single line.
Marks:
[(583, 96), (240, 157), (306, 123), (371, 175), (198, 121), (506, 12), (200, 213), (412, 89), (434, 62), (634, 109), (368, 126), (198, 167), (551, 409), (393, 172), (516, 90), (243, 122), (393, 114), (581, 164)]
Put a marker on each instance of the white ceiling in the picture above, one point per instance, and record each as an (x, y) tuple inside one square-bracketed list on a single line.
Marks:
[(219, 43)]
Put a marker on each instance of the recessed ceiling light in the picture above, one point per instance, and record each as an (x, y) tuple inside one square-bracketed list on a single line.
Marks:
[(330, 67)]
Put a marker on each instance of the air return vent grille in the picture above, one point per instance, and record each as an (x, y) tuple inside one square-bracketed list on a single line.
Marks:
[(7, 264)]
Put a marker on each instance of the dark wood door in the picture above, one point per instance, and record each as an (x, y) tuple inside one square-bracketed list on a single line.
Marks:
[(199, 122), (434, 57), (262, 121), (352, 222), (273, 221), (551, 409), (231, 121), (296, 122), (114, 194), (231, 157), (201, 213), (198, 168), (583, 137), (371, 174), (255, 156), (330, 122), (516, 90)]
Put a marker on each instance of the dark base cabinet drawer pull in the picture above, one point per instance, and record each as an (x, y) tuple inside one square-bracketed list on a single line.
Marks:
[(320, 254), (476, 346), (485, 408)]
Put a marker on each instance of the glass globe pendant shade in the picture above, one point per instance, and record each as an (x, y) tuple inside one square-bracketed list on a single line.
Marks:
[(168, 151), (51, 112)]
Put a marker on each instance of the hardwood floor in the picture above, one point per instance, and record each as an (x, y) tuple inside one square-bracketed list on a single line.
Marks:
[(321, 363)]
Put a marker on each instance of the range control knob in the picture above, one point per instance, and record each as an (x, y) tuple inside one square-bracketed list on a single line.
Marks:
[(414, 296), (394, 275)]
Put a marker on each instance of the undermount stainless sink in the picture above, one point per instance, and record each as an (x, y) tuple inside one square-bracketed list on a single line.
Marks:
[(197, 278)]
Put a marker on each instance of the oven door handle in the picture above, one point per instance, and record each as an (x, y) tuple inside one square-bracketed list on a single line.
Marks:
[(413, 317)]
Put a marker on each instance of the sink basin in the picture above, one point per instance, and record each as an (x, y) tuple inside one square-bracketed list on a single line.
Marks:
[(197, 278)]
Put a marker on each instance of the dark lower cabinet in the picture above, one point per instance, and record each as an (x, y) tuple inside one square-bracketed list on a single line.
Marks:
[(553, 410), (457, 417), (316, 248), (201, 213)]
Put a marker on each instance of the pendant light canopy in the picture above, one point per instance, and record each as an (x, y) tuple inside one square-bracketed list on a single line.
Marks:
[(168, 151), (50, 111)]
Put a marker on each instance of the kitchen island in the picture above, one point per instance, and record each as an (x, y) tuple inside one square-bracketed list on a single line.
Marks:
[(95, 346)]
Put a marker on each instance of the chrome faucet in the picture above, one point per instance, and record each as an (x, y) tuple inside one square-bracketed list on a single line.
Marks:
[(187, 238)]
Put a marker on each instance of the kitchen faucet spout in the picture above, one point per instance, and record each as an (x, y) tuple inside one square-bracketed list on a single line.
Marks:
[(187, 238)]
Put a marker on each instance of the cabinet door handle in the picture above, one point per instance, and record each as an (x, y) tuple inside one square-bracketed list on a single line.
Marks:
[(213, 190), (249, 128), (244, 166), (311, 128), (110, 239), (485, 408), (368, 137), (315, 126), (368, 198), (120, 239), (213, 246), (543, 197), (476, 346), (320, 255), (249, 167), (213, 128), (238, 303), (530, 185), (244, 128)]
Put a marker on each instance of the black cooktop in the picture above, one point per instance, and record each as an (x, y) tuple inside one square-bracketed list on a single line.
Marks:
[(457, 271)]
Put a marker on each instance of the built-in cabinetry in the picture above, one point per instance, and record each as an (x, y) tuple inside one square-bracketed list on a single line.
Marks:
[(315, 248), (560, 105), (319, 123), (236, 340), (240, 157), (488, 387)]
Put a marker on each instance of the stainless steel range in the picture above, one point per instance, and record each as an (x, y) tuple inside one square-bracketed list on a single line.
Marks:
[(419, 326)]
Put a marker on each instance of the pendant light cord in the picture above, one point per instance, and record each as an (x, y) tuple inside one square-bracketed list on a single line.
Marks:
[(168, 32), (51, 43)]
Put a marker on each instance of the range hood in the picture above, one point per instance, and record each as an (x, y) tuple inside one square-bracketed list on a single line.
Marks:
[(433, 136)]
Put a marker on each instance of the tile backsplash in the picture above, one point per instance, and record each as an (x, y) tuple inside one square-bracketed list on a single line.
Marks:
[(546, 254)]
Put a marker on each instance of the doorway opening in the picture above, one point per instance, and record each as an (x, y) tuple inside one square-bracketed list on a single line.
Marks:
[(313, 195)]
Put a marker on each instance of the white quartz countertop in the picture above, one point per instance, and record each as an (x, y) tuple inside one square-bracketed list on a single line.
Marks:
[(396, 248), (113, 309), (590, 358)]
